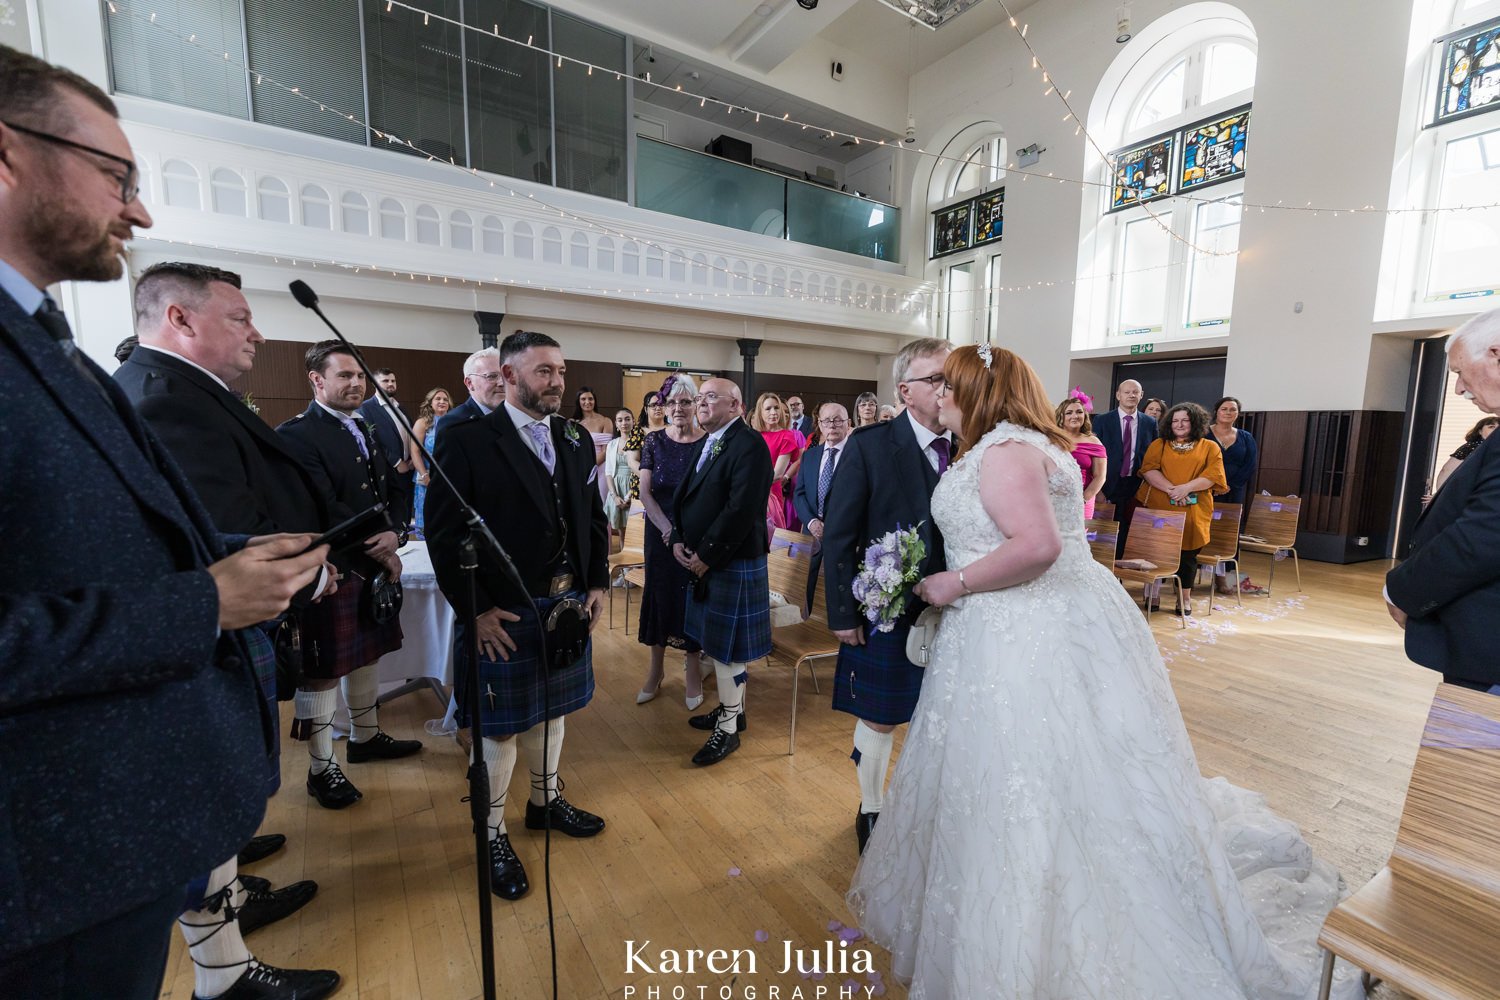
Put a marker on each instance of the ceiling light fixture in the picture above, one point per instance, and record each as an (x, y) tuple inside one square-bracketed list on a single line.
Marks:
[(1122, 24), (807, 4)]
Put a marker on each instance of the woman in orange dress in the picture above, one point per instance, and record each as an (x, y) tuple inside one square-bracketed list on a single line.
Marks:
[(1182, 470)]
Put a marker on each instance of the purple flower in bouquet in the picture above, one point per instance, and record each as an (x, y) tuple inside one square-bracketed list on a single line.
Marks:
[(892, 565)]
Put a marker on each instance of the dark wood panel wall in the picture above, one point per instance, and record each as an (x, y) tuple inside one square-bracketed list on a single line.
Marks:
[(814, 391), (1343, 464)]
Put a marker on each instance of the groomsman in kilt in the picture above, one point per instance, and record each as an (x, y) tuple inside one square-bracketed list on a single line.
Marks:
[(719, 534), (341, 638), (527, 472), (884, 481)]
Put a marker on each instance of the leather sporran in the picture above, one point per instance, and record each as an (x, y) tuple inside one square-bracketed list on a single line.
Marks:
[(567, 627), (287, 642), (382, 602), (922, 635)]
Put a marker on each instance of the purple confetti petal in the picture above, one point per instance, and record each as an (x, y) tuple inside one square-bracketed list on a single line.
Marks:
[(851, 988), (878, 990), (851, 934), (834, 925), (734, 873), (817, 976), (762, 936)]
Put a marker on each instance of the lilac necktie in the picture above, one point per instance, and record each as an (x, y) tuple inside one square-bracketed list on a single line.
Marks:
[(543, 441), (939, 448), (356, 427), (1129, 458)]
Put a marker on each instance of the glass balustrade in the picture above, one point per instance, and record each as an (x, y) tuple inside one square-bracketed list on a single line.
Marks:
[(698, 186)]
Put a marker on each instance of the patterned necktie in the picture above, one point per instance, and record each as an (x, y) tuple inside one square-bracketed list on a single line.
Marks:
[(825, 477), (356, 426), (939, 448), (543, 442), (1129, 443), (55, 322), (705, 454)]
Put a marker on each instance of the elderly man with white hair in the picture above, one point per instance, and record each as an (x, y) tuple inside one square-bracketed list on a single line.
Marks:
[(486, 388), (1446, 595)]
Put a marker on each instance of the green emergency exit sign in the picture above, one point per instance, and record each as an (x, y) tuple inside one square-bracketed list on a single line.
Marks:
[(1142, 348), (674, 364)]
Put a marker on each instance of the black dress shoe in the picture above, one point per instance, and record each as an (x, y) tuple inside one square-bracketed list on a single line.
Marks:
[(507, 876), (566, 818), (260, 848), (864, 823), (254, 883), (381, 747), (719, 746), (332, 789), (267, 982), (266, 907), (711, 720)]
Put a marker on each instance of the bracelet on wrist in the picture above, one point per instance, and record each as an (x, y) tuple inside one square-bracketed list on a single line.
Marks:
[(962, 584)]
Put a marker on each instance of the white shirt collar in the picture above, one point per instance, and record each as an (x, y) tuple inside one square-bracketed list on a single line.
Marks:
[(187, 361), (1123, 414), (17, 286), (925, 437), (343, 418), (520, 417)]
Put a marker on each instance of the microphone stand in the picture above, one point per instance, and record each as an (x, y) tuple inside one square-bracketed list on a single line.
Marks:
[(479, 536)]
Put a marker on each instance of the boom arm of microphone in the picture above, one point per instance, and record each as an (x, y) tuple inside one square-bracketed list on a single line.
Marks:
[(308, 299)]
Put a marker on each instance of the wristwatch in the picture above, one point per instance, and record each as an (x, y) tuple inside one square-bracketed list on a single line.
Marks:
[(402, 537)]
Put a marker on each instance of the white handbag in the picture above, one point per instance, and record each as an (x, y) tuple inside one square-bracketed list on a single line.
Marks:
[(922, 635)]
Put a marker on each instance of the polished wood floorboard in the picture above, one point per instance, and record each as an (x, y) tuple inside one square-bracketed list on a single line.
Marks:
[(1305, 697)]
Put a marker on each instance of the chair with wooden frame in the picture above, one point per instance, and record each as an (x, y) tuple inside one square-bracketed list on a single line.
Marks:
[(1156, 538), (1104, 510), (810, 639), (1103, 536), (632, 554), (1222, 547), (1271, 529), (1428, 921)]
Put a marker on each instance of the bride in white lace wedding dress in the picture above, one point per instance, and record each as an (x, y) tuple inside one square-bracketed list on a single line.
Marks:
[(1047, 833)]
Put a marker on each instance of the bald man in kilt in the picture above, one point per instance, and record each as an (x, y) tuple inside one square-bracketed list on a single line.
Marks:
[(529, 474), (719, 534), (342, 640), (883, 482)]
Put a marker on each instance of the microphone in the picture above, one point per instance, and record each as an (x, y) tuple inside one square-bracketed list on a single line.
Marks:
[(305, 296)]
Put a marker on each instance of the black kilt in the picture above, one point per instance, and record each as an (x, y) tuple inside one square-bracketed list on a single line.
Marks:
[(337, 639), (876, 682), (733, 623), (524, 692)]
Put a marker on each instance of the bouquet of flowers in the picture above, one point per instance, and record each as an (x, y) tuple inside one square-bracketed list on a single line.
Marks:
[(890, 569)]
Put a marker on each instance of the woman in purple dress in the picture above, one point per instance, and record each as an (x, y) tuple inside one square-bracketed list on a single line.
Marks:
[(664, 464)]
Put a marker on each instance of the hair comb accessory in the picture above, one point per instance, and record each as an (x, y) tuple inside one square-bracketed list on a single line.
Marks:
[(1084, 398), (986, 355)]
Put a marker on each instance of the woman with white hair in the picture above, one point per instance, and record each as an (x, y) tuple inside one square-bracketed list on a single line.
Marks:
[(665, 459)]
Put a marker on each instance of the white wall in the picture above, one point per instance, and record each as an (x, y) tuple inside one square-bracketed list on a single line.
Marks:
[(1327, 103)]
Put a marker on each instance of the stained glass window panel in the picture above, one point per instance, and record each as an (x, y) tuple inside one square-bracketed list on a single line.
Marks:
[(989, 217), (1215, 151), (1142, 172), (950, 229), (1470, 81)]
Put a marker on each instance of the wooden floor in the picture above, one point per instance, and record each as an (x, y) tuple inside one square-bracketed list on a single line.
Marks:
[(1306, 697)]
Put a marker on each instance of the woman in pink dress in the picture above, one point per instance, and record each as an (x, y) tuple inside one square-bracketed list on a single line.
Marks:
[(786, 445), (1088, 452)]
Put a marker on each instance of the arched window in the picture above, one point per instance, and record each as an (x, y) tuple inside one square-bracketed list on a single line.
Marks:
[(967, 183), (982, 167), (316, 210), (354, 211), (275, 199), (429, 226), (1160, 230), (392, 219), (461, 230), (494, 236), (228, 191)]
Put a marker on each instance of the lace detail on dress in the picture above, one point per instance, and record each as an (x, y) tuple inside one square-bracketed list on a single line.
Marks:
[(1047, 833)]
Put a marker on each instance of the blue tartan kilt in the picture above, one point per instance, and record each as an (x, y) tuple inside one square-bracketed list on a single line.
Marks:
[(263, 662), (733, 622), (525, 692), (876, 682)]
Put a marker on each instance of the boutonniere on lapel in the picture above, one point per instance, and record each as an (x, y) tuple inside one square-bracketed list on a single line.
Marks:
[(714, 449), (570, 431), (250, 403)]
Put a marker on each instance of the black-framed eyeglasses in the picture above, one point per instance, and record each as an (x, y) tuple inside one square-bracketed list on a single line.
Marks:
[(130, 183), (932, 381), (832, 421)]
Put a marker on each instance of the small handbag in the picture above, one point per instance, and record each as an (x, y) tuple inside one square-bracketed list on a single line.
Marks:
[(923, 633)]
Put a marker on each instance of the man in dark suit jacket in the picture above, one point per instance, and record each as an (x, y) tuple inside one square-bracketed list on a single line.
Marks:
[(555, 531), (719, 532), (135, 739), (1113, 429), (884, 482), (196, 335), (390, 431), (341, 639), (799, 419), (486, 389), (814, 479), (1447, 592)]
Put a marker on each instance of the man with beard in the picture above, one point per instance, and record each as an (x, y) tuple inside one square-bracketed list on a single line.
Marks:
[(553, 527), (884, 482), (389, 423), (341, 639), (134, 738), (197, 335), (719, 535)]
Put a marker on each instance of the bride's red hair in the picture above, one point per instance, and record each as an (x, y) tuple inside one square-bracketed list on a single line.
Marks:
[(1009, 389)]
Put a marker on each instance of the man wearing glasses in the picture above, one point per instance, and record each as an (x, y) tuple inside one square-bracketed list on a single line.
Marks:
[(816, 478), (486, 389), (884, 481)]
